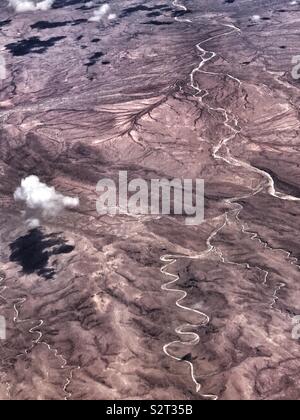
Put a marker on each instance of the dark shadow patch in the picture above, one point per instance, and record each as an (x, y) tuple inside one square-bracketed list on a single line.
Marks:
[(141, 8), (153, 14), (32, 252), (280, 184), (180, 13), (59, 4), (4, 23), (44, 24), (32, 45), (94, 58), (157, 23), (187, 358), (78, 22)]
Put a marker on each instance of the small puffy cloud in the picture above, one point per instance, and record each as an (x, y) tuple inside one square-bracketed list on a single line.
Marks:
[(42, 202), (102, 12), (30, 5)]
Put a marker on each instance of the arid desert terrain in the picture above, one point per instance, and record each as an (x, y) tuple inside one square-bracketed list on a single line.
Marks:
[(147, 307)]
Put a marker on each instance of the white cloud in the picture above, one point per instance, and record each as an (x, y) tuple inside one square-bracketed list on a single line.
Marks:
[(256, 18), (100, 13), (112, 16), (30, 5), (42, 202)]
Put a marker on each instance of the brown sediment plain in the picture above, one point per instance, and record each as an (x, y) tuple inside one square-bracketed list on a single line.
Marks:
[(123, 307)]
